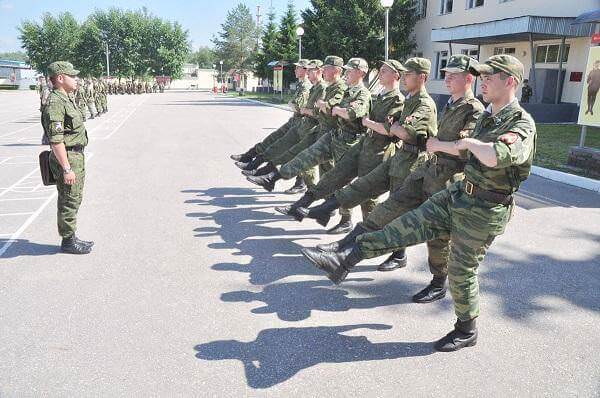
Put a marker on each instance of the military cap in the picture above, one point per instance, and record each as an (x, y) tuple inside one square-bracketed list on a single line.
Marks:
[(500, 63), (314, 64), (303, 63), (357, 63), (418, 65), (459, 63), (62, 68), (394, 65), (332, 60)]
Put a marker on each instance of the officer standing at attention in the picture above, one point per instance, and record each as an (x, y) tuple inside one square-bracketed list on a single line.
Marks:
[(472, 212), (68, 138)]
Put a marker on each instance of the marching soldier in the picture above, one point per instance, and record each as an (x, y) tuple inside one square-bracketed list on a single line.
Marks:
[(470, 213)]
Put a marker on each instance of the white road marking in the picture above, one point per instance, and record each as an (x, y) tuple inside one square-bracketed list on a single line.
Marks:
[(15, 214)]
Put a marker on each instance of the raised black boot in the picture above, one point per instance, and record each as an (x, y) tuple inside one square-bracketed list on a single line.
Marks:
[(343, 227), (251, 165), (323, 212), (245, 157), (72, 246), (347, 240), (436, 290), (463, 335), (266, 181), (336, 264), (266, 169), (292, 210), (299, 187), (395, 261)]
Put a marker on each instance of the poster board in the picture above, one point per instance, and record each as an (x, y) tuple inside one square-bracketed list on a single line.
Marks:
[(589, 108)]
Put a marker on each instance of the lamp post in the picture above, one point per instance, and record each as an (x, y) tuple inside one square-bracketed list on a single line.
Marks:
[(299, 33), (387, 4), (221, 63)]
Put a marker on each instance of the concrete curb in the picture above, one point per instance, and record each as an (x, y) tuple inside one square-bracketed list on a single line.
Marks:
[(566, 178), (554, 175)]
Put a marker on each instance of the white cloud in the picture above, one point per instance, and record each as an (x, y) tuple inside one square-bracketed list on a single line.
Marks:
[(6, 6)]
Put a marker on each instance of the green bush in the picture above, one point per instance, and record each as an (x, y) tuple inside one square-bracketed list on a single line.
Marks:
[(9, 86)]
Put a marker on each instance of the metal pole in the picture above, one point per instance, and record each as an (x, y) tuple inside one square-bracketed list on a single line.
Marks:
[(107, 62), (532, 77), (478, 58), (450, 49), (299, 48), (559, 81), (582, 136), (387, 27)]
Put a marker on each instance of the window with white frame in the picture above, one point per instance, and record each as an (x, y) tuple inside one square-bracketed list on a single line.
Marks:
[(446, 6), (548, 54), (441, 60), (471, 53), (505, 50), (474, 3)]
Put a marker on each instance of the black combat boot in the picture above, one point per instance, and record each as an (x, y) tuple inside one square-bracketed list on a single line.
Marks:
[(463, 335), (251, 165), (299, 187), (395, 261), (246, 156), (323, 212), (336, 264), (343, 227), (266, 181), (436, 290), (345, 241), (72, 246), (266, 169), (292, 210), (84, 242)]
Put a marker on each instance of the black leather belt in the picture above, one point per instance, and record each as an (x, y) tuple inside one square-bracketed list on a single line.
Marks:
[(410, 148), (495, 197), (76, 148), (448, 162)]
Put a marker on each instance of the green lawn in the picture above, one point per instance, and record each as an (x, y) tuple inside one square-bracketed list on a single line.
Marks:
[(554, 142), (270, 98)]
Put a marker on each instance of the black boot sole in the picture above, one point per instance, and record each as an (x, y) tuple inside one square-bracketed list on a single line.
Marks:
[(429, 300)]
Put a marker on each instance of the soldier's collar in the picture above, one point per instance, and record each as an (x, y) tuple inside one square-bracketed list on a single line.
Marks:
[(60, 93), (489, 109)]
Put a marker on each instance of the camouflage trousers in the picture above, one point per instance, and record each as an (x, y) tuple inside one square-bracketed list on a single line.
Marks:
[(276, 135), (332, 145), (471, 224), (105, 102), (388, 176), (358, 161), (69, 196), (91, 105), (83, 109), (419, 186)]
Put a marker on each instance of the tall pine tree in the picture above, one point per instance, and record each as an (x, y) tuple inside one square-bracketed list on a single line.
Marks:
[(269, 50), (288, 42)]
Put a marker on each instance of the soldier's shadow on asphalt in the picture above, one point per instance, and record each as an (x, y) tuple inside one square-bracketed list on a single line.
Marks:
[(24, 247), (276, 355)]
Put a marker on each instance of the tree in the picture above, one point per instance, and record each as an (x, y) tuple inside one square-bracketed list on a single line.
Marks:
[(269, 49), (355, 28), (288, 42), (235, 45), (204, 57), (55, 39)]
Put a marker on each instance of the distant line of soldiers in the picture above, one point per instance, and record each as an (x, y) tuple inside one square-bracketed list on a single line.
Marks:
[(135, 87)]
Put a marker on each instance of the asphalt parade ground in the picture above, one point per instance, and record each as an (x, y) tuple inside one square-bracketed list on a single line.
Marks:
[(196, 286)]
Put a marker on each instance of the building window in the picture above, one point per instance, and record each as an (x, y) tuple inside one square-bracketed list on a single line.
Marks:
[(441, 60), (548, 54), (505, 50), (446, 6), (420, 8), (470, 53), (474, 3)]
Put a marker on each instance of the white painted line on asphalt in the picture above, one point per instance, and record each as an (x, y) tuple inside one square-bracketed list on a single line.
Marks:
[(5, 191), (5, 160), (15, 214), (22, 199), (19, 118), (123, 121), (17, 131)]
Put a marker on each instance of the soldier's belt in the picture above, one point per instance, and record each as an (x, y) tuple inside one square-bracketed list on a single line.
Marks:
[(75, 148), (411, 148), (448, 162), (495, 197)]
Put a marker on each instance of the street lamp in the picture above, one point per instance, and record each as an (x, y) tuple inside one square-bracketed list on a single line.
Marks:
[(299, 33), (387, 4), (221, 63)]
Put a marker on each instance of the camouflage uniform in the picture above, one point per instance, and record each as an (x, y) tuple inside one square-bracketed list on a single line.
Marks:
[(81, 101), (419, 118), (338, 140), (90, 96), (64, 124), (371, 150), (460, 214)]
